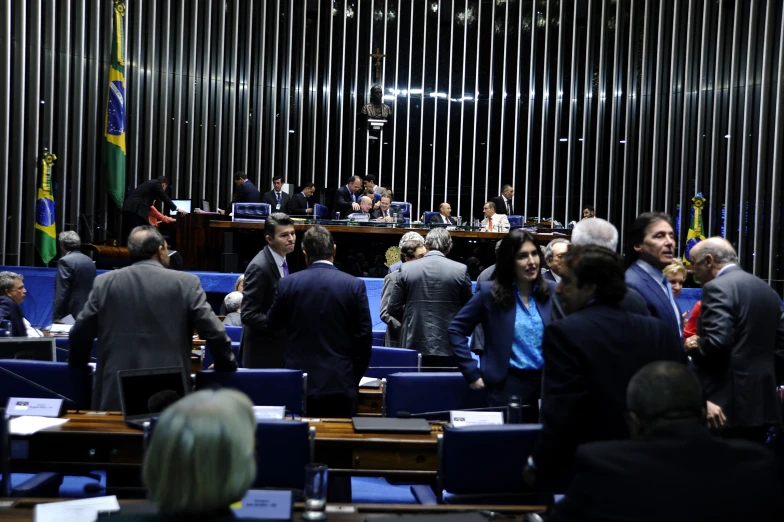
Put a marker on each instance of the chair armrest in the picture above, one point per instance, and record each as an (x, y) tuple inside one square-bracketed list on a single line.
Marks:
[(45, 484), (424, 495)]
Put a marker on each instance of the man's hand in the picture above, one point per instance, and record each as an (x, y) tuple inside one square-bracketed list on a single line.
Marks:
[(692, 343), (308, 211), (182, 211), (355, 206), (716, 418), (478, 384)]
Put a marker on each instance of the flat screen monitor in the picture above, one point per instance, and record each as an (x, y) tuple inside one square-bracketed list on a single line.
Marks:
[(184, 204), (33, 348)]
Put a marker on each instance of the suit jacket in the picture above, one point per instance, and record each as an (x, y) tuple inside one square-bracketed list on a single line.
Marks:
[(548, 276), (379, 213), (679, 474), (741, 329), (589, 358), (269, 197), (246, 193), (439, 218), (232, 319), (261, 346), (142, 197), (144, 316), (72, 285), (499, 326), (655, 299), (298, 204), (13, 312), (500, 223), (392, 335), (500, 206), (478, 339), (426, 297), (343, 201), (327, 320)]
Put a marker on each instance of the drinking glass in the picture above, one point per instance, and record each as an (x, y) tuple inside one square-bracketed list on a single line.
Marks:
[(315, 492)]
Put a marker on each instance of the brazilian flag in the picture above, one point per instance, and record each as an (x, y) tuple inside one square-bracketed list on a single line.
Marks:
[(45, 233), (696, 229), (114, 131)]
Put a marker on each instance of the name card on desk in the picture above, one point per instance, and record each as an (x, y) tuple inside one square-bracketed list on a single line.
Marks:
[(475, 418), (269, 412), (18, 406)]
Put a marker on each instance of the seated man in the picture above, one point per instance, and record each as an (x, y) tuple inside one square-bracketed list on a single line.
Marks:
[(494, 222), (12, 293), (674, 469), (365, 206), (384, 214), (444, 215), (233, 302)]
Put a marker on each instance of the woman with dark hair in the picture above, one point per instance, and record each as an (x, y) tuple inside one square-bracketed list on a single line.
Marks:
[(513, 308)]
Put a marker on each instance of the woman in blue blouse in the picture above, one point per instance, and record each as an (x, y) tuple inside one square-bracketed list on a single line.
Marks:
[(513, 307)]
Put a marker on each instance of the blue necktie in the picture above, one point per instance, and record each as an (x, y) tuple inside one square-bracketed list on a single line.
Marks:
[(278, 193), (285, 268), (674, 306)]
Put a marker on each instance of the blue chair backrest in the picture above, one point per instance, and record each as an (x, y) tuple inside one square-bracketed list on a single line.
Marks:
[(74, 383), (485, 460), (234, 333), (378, 337), (283, 448), (404, 208), (5, 457), (428, 215), (250, 211), (515, 221), (321, 211), (385, 361), (208, 360), (265, 387), (429, 392), (62, 346)]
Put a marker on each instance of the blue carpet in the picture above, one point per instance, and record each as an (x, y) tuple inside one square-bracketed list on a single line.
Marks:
[(376, 490)]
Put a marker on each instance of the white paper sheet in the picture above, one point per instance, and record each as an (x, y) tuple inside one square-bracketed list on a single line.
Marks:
[(27, 425), (82, 510), (369, 382)]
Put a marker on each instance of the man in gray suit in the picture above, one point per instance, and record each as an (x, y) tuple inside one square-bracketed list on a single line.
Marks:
[(409, 251), (427, 296), (144, 316), (263, 346), (75, 276)]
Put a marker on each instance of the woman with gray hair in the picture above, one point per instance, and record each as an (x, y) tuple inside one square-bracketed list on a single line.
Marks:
[(201, 457)]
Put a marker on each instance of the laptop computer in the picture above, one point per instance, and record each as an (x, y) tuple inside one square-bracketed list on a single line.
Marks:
[(184, 204), (144, 394)]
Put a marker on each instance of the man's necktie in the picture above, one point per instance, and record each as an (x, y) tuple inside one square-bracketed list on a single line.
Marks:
[(285, 268), (671, 299), (278, 194), (509, 208), (490, 224)]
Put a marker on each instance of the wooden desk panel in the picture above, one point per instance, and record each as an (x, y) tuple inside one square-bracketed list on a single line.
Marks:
[(370, 403)]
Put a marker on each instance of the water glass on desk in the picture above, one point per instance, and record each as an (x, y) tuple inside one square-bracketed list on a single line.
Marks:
[(315, 492)]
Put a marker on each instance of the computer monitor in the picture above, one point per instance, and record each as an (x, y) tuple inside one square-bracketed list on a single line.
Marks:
[(184, 204), (33, 348)]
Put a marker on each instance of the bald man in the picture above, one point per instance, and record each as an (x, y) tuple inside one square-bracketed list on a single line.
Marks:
[(739, 338), (444, 215)]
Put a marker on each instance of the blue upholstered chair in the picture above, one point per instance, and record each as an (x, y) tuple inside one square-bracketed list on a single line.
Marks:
[(45, 379), (403, 208), (418, 393), (208, 360), (264, 387), (234, 333), (250, 211), (427, 217), (320, 211), (45, 484), (515, 221), (62, 346), (378, 337), (385, 361)]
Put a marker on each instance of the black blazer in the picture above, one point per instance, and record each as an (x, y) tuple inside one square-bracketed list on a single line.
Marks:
[(589, 358), (741, 331), (548, 276), (272, 200), (500, 205), (261, 346), (654, 297), (298, 204), (142, 197), (327, 319), (343, 201), (246, 193), (72, 285), (380, 213), (13, 312), (678, 474), (439, 218)]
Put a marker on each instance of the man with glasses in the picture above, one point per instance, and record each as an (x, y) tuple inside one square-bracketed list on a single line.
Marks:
[(553, 254)]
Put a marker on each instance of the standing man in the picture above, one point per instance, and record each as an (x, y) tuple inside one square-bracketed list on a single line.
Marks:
[(553, 255), (300, 204), (370, 183), (504, 203), (347, 197), (74, 280), (740, 333), (409, 251), (653, 240), (136, 209), (443, 216), (589, 212), (276, 198), (333, 345), (12, 294), (263, 346), (144, 316), (427, 296), (244, 190), (494, 222)]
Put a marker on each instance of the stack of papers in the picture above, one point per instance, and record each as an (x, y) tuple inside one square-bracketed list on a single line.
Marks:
[(27, 425), (82, 510)]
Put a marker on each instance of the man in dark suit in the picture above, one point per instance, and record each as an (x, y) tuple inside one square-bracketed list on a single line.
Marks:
[(347, 197), (589, 357), (740, 333), (553, 255), (144, 316), (12, 293), (333, 344), (300, 204), (674, 469), (136, 208), (244, 190), (653, 240), (74, 280), (504, 203), (263, 343), (276, 198), (383, 212), (444, 215)]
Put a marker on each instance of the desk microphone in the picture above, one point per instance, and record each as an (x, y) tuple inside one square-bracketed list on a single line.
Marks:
[(28, 381)]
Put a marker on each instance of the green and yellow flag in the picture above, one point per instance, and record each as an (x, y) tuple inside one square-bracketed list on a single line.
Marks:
[(45, 233), (114, 131), (696, 230)]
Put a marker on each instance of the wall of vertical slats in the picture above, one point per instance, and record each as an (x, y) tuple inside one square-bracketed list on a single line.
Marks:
[(626, 105)]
